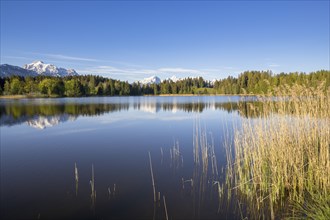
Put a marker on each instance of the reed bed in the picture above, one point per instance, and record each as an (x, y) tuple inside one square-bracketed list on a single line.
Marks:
[(283, 153), (205, 182)]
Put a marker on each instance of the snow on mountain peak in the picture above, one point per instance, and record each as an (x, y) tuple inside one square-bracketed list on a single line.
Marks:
[(151, 80), (174, 78), (48, 69)]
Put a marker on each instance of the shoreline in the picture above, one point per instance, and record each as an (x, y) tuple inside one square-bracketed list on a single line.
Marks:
[(161, 95), (25, 96)]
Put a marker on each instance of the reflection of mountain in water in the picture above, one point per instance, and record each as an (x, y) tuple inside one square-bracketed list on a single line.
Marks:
[(42, 115), (41, 122)]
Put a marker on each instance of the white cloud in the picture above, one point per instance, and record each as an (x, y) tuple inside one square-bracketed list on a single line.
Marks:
[(134, 74), (211, 70), (138, 73), (238, 72), (111, 70), (17, 57), (273, 65), (177, 70), (64, 57), (123, 70)]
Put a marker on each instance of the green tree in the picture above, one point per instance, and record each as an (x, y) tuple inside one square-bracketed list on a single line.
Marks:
[(15, 86), (73, 88), (51, 86), (6, 88), (30, 85)]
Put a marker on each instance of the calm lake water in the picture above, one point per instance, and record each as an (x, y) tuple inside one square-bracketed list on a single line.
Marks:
[(43, 139)]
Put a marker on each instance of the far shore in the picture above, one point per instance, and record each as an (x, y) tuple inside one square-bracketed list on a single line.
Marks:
[(204, 95), (161, 95), (13, 96), (24, 96)]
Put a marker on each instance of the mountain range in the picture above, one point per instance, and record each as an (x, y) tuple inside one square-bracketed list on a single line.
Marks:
[(38, 68), (35, 68)]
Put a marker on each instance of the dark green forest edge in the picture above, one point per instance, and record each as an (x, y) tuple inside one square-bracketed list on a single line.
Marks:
[(249, 82)]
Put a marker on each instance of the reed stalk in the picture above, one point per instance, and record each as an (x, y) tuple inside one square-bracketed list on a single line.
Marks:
[(76, 177), (166, 215), (176, 156), (162, 155), (152, 177), (93, 191)]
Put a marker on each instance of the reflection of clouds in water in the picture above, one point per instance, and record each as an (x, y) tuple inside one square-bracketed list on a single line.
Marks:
[(138, 115), (42, 122), (149, 107), (74, 131), (174, 109), (176, 118), (156, 107), (129, 116)]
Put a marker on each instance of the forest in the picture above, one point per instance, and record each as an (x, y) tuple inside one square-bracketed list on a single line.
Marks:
[(248, 82)]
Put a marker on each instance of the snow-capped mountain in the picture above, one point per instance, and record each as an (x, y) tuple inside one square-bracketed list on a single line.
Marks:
[(174, 78), (7, 70), (150, 80), (34, 69), (42, 68)]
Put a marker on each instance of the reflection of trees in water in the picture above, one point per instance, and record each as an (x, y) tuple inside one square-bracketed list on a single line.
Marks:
[(247, 109), (38, 114), (19, 110), (45, 115), (186, 107)]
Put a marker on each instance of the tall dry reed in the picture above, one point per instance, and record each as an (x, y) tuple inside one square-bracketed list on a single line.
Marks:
[(284, 151)]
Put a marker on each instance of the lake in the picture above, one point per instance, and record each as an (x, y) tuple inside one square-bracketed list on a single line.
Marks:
[(53, 151)]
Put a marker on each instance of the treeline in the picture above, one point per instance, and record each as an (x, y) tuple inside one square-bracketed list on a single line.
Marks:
[(71, 86), (255, 82), (259, 82), (90, 85)]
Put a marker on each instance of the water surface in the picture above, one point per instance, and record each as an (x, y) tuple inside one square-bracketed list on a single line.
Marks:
[(42, 139)]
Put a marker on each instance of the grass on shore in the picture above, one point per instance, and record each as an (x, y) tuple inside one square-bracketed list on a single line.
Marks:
[(283, 155), (27, 96)]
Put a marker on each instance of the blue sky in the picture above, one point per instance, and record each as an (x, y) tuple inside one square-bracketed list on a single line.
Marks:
[(133, 40)]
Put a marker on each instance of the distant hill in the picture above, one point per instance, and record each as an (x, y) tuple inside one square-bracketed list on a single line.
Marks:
[(35, 68)]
